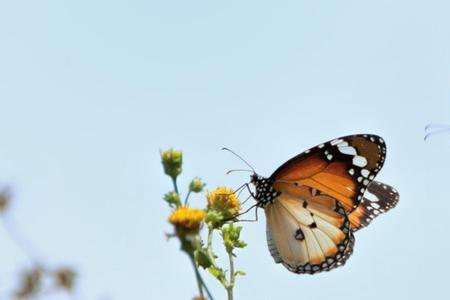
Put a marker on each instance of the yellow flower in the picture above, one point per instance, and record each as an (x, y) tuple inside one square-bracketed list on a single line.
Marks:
[(187, 220), (224, 201)]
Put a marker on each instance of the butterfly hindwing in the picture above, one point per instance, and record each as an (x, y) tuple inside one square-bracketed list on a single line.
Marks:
[(308, 234), (382, 198), (341, 168)]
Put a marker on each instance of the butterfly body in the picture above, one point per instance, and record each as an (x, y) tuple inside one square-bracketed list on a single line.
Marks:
[(265, 193), (315, 201)]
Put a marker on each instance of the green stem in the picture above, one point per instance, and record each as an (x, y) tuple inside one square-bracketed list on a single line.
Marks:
[(175, 187), (197, 275), (200, 282), (232, 277), (187, 197), (212, 257)]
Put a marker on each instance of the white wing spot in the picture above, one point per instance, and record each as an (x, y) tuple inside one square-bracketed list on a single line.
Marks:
[(359, 161), (329, 157), (336, 141), (321, 146), (351, 172), (347, 150), (365, 172)]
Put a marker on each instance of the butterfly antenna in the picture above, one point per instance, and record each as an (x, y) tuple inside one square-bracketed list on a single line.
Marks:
[(224, 148), (239, 170), (437, 126), (436, 132)]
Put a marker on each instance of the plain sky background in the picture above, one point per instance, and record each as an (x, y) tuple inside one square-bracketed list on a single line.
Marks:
[(90, 91)]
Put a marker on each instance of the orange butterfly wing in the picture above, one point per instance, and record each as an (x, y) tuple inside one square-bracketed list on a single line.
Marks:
[(341, 168)]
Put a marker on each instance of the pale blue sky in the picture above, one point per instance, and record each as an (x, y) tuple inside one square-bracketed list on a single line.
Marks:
[(91, 90)]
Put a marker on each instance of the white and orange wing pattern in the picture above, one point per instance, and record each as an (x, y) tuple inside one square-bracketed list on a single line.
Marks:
[(315, 201), (308, 235)]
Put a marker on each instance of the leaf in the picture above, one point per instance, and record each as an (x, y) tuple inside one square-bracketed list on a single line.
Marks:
[(216, 272), (202, 258)]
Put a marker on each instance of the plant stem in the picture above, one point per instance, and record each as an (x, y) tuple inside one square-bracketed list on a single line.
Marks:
[(206, 288), (212, 257), (200, 283), (232, 276), (187, 197), (197, 275), (175, 186), (21, 242)]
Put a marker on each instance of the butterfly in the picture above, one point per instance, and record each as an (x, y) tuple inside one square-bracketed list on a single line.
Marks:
[(315, 201)]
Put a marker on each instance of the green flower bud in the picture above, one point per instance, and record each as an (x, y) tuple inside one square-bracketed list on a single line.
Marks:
[(172, 161), (196, 185), (230, 235), (173, 199), (214, 218)]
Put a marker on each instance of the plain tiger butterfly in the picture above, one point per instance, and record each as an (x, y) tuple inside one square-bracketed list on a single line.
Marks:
[(315, 201)]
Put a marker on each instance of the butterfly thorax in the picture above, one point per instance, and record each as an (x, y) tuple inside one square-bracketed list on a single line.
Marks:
[(264, 194)]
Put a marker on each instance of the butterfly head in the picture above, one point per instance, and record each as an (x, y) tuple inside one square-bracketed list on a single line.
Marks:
[(264, 194)]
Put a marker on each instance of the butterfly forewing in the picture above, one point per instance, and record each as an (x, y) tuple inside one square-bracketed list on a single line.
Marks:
[(341, 168)]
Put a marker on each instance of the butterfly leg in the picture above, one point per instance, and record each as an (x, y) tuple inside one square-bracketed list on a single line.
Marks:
[(250, 191), (256, 216), (239, 190)]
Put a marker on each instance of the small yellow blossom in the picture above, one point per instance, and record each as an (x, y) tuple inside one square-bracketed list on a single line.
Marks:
[(186, 219), (224, 201)]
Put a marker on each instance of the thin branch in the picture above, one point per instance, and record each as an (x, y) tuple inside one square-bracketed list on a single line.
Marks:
[(232, 276), (20, 241), (197, 276)]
